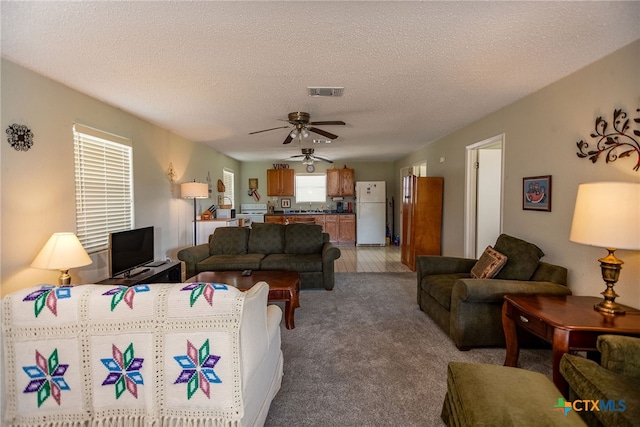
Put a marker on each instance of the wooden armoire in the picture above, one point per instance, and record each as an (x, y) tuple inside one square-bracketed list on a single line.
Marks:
[(421, 218)]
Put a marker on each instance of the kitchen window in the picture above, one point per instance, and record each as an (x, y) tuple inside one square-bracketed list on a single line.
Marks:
[(311, 188), (229, 193)]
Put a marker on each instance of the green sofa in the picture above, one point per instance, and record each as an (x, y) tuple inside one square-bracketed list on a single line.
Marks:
[(468, 309), (615, 382), (293, 247)]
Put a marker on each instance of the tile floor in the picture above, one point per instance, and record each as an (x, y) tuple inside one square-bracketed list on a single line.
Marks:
[(356, 259)]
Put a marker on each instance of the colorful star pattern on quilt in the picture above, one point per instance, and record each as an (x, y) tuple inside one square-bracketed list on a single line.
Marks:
[(197, 369), (124, 371), (47, 378), (126, 294), (48, 296), (203, 289)]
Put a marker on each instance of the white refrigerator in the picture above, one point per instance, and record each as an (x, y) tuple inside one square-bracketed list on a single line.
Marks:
[(371, 202)]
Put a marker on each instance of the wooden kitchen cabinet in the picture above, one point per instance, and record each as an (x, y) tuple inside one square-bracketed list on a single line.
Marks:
[(274, 219), (340, 182), (421, 218), (331, 227), (280, 182), (347, 229)]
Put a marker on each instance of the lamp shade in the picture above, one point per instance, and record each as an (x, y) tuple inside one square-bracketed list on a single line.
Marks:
[(607, 214), (194, 190), (61, 252)]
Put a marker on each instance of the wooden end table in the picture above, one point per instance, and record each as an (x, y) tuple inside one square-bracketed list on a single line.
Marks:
[(283, 286), (568, 322)]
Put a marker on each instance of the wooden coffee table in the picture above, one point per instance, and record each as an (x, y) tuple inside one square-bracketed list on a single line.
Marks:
[(283, 286), (568, 322)]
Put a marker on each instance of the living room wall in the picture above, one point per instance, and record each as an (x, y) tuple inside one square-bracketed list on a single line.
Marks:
[(38, 189), (541, 131)]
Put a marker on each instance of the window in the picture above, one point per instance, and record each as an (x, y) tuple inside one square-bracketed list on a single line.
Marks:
[(104, 186), (227, 179), (311, 188)]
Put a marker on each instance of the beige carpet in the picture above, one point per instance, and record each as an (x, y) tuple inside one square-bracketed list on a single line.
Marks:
[(365, 355)]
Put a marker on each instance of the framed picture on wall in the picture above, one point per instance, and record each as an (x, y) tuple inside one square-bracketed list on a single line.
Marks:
[(285, 203), (536, 193)]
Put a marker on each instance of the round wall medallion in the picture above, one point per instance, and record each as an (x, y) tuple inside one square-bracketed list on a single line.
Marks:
[(310, 168), (20, 137)]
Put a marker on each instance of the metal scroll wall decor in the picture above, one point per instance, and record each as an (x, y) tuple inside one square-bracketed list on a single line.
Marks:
[(20, 137), (614, 144)]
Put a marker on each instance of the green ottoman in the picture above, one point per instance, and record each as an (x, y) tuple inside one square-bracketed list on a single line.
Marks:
[(491, 395)]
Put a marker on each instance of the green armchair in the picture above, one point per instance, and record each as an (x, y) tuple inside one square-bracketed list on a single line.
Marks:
[(469, 309), (615, 382)]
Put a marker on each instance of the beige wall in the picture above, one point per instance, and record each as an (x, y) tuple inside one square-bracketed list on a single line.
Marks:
[(38, 185), (541, 132)]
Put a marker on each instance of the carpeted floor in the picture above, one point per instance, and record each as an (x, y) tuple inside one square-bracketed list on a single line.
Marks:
[(365, 355)]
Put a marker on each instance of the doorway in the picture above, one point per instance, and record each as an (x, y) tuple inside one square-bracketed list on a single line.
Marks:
[(483, 199)]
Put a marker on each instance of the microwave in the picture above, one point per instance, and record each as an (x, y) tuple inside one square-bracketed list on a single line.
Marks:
[(223, 213)]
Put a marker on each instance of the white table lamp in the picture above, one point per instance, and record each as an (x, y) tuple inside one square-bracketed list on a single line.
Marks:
[(62, 252), (607, 214)]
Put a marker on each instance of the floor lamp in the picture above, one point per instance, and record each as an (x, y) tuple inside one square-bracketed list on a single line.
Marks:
[(194, 190)]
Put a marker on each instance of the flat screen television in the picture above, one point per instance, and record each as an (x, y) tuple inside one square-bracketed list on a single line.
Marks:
[(130, 249)]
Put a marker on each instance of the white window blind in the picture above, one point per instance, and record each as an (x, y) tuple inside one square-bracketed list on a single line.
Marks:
[(311, 188), (104, 186), (227, 179)]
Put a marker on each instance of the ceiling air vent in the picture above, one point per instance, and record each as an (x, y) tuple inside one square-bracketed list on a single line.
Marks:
[(325, 91)]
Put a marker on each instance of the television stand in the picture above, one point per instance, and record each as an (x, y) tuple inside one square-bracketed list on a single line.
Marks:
[(170, 272)]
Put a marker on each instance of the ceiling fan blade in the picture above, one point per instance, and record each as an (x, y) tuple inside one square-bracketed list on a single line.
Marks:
[(322, 132), (288, 139), (266, 130), (334, 122), (322, 159)]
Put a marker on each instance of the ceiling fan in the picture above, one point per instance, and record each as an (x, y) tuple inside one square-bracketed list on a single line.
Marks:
[(308, 157), (302, 126)]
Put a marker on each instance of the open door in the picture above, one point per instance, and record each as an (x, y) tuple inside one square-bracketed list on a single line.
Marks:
[(483, 201)]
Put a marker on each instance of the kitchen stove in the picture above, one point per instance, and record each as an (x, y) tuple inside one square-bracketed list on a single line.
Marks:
[(252, 212)]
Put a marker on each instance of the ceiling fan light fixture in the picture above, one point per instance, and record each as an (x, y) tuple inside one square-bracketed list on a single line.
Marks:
[(307, 161), (294, 134), (304, 133)]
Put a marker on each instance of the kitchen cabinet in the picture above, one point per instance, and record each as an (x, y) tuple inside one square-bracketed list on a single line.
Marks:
[(341, 228), (340, 182), (421, 218), (331, 227), (347, 229), (280, 182)]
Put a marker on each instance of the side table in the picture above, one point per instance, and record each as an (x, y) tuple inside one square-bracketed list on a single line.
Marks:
[(568, 322)]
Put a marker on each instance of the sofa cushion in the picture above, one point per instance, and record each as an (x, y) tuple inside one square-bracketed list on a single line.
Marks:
[(229, 241), (489, 264), (523, 258), (292, 262), (440, 286), (303, 239), (266, 238), (230, 262)]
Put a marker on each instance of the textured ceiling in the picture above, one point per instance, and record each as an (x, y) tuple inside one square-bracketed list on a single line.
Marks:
[(214, 71)]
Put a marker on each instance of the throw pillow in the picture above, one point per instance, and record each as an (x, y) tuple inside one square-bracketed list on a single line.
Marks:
[(489, 264), (303, 239), (523, 258), (266, 238), (229, 241)]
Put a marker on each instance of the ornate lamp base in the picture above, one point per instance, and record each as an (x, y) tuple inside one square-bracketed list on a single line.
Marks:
[(610, 266)]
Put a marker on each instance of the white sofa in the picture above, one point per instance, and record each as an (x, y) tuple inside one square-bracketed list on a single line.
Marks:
[(160, 354)]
